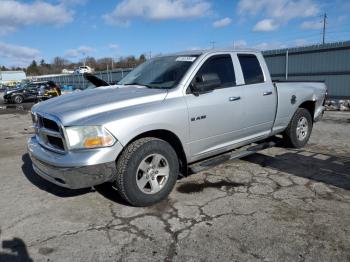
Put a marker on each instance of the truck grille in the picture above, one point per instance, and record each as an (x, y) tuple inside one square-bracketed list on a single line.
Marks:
[(49, 133)]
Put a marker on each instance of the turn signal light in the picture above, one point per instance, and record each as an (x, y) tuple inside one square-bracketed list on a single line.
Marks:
[(92, 142)]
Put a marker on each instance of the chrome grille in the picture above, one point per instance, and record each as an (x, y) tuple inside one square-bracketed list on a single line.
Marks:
[(49, 133)]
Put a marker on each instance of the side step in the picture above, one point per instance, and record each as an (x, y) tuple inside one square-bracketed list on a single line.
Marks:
[(236, 154)]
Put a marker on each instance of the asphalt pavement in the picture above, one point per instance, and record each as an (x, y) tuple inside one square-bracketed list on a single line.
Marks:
[(277, 205)]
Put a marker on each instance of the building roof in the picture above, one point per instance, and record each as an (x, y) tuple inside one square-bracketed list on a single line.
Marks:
[(214, 50), (12, 76), (309, 49), (12, 72)]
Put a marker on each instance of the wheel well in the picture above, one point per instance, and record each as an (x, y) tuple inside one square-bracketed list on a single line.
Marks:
[(310, 106), (173, 140)]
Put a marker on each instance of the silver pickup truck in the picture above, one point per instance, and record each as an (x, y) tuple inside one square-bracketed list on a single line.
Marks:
[(166, 114)]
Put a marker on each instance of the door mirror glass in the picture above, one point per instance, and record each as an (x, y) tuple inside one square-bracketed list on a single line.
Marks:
[(205, 83)]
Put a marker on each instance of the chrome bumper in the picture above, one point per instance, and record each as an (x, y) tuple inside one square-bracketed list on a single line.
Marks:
[(79, 169)]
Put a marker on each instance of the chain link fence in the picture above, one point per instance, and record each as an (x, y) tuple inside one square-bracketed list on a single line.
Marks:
[(77, 81)]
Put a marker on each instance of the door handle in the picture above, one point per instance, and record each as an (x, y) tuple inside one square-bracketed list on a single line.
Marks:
[(267, 93), (234, 98)]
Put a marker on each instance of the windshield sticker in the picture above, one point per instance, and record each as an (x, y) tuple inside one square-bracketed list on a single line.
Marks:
[(185, 58)]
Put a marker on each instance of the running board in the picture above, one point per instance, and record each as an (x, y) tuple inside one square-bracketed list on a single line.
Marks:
[(236, 154)]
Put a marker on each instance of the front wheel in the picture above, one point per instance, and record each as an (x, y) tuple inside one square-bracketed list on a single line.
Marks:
[(147, 171), (17, 99), (299, 129)]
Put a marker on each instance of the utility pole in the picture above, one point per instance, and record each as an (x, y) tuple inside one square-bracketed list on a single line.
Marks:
[(84, 58), (212, 44), (324, 28)]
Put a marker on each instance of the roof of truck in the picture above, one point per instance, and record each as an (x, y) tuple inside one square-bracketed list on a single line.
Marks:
[(215, 50)]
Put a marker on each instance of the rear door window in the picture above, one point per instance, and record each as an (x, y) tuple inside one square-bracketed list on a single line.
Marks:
[(251, 69)]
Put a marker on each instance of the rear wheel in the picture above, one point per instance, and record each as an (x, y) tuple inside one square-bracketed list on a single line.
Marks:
[(299, 129), (18, 99), (147, 171)]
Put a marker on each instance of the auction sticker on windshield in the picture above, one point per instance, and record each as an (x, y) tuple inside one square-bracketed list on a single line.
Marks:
[(186, 58)]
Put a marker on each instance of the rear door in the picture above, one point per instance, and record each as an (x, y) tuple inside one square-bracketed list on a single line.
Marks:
[(259, 98), (31, 92)]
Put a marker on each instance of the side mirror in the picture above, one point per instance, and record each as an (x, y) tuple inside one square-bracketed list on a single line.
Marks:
[(205, 83)]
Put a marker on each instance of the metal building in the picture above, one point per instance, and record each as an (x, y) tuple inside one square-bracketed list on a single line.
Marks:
[(11, 77), (329, 63)]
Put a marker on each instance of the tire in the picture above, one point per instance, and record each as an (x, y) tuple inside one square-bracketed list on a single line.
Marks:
[(18, 99), (299, 129), (147, 171)]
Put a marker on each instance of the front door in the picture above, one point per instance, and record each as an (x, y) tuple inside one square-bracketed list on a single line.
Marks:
[(214, 117)]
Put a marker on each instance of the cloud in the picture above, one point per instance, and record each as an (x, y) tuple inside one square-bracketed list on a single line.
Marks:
[(222, 22), (265, 25), (301, 42), (277, 12), (14, 14), (80, 51), (269, 46), (73, 2), (156, 10), (18, 55), (240, 43), (313, 25), (113, 47), (6, 29)]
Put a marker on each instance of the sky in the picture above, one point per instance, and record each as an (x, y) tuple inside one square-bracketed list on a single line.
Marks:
[(74, 29)]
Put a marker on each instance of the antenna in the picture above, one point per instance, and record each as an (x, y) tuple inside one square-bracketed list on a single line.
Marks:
[(212, 44)]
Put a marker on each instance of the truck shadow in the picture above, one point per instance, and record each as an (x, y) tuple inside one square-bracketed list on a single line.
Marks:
[(325, 168), (15, 250), (41, 183)]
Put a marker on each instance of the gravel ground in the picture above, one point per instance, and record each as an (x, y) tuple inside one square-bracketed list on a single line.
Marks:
[(277, 205)]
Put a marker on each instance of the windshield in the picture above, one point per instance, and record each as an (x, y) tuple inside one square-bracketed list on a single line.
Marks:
[(161, 72)]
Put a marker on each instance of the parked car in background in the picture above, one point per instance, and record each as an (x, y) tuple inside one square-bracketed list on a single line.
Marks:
[(83, 69), (169, 115), (33, 91), (67, 71), (3, 88)]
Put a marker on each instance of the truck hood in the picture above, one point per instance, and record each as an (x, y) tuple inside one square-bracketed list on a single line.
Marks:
[(79, 105)]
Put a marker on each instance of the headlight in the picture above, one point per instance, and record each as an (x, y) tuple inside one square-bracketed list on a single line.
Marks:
[(84, 137)]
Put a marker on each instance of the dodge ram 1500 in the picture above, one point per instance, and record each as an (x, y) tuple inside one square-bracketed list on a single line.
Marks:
[(166, 114)]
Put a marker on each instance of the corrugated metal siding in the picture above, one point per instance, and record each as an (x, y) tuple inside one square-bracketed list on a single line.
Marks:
[(342, 82), (329, 63), (277, 64)]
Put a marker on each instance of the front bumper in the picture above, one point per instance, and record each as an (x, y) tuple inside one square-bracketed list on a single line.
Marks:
[(79, 169), (6, 98)]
